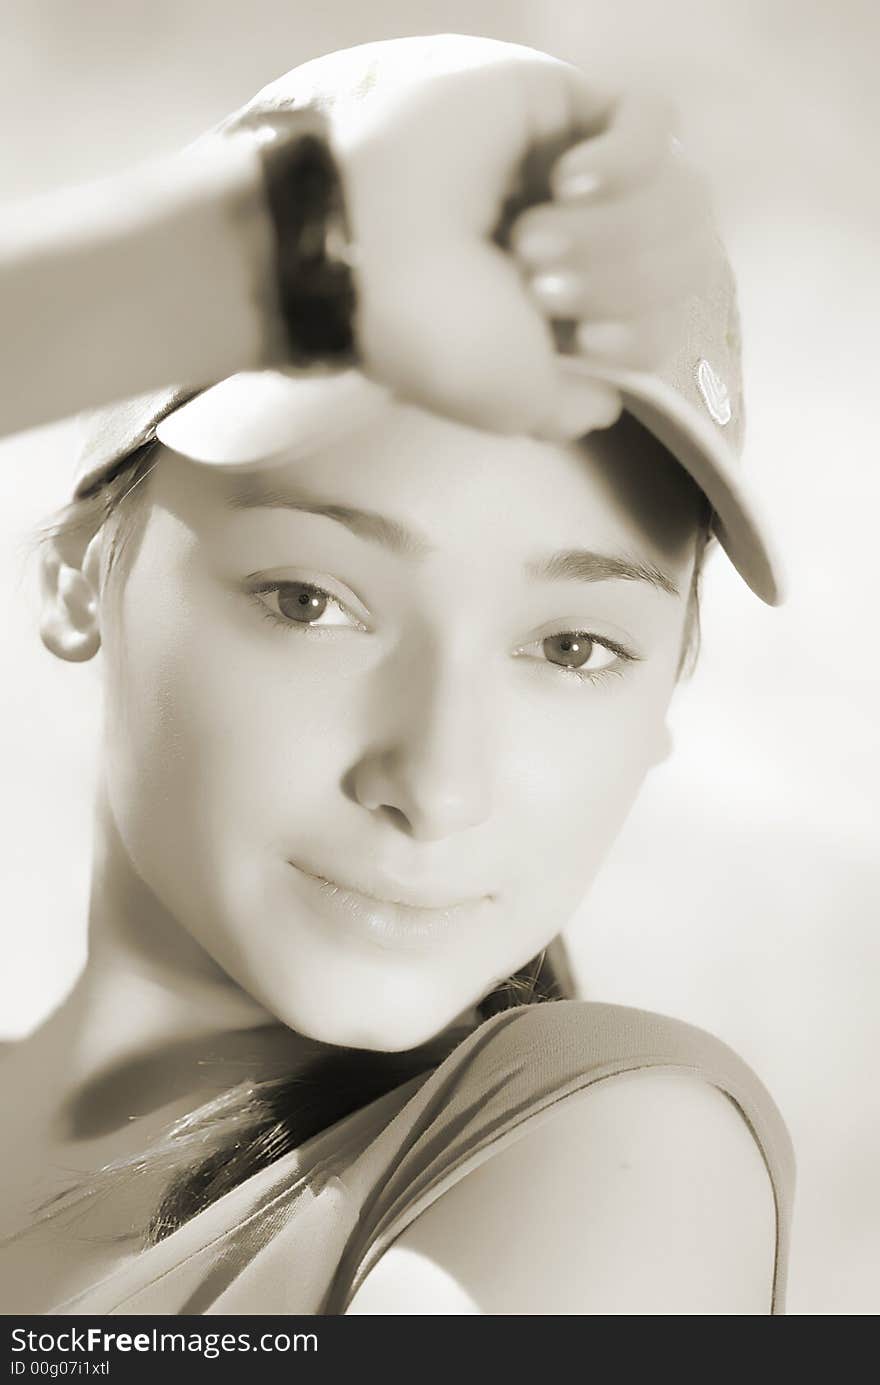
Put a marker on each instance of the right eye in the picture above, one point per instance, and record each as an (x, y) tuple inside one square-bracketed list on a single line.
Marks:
[(292, 604)]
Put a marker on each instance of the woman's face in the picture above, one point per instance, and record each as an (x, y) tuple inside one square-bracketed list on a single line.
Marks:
[(374, 716)]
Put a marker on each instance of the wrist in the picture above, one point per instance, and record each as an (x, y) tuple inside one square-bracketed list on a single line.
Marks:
[(313, 252)]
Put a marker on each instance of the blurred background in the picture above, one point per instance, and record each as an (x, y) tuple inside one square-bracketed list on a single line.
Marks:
[(743, 894)]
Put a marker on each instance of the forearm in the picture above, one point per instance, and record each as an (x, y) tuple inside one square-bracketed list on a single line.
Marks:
[(164, 274)]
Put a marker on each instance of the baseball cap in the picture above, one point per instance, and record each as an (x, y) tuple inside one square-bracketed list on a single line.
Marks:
[(693, 404)]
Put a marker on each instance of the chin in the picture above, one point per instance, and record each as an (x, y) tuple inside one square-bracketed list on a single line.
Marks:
[(383, 1027), (378, 1036), (335, 983)]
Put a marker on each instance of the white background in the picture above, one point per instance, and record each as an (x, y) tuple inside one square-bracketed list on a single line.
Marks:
[(744, 892)]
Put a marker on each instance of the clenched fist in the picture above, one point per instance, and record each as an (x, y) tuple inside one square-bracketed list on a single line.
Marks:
[(505, 209)]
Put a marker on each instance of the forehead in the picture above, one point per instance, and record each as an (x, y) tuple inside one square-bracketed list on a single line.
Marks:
[(460, 485)]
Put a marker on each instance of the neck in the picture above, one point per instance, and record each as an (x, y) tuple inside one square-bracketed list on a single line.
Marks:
[(152, 1016)]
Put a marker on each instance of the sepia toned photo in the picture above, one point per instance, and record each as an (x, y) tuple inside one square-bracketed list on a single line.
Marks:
[(439, 705)]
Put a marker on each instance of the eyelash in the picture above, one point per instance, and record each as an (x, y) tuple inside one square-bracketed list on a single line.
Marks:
[(291, 625), (594, 676)]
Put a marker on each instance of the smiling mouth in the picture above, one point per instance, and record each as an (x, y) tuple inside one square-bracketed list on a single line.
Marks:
[(395, 895), (388, 921)]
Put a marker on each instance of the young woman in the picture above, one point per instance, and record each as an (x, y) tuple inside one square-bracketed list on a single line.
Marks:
[(380, 686)]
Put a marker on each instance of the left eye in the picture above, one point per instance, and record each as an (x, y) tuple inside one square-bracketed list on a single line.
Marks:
[(575, 650), (300, 603)]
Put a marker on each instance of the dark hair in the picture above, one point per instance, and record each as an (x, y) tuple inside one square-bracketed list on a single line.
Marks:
[(232, 1136)]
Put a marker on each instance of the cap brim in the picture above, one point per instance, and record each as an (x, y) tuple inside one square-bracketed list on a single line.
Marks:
[(698, 445), (255, 416)]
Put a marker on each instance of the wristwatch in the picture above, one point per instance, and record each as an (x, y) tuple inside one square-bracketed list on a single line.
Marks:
[(314, 252)]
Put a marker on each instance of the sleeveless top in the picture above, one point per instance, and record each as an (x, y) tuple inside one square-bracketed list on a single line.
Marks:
[(299, 1236)]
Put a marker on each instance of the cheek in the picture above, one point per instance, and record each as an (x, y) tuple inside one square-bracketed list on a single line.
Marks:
[(577, 773), (220, 736), (212, 728)]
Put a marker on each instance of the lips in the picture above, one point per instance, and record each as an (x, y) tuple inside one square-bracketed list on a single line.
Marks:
[(434, 921), (386, 890)]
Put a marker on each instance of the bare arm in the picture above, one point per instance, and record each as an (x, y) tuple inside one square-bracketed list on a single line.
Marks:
[(642, 1195), (162, 274), (166, 275)]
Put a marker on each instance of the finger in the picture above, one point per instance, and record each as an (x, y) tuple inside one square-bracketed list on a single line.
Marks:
[(637, 136), (667, 207), (644, 343), (578, 406), (562, 100), (591, 103), (626, 288)]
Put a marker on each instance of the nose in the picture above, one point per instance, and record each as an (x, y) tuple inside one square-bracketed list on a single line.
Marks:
[(432, 773)]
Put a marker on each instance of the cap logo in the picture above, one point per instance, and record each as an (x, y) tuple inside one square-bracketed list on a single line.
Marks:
[(715, 393)]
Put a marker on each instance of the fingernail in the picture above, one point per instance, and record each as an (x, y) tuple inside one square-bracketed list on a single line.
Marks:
[(555, 290), (540, 243), (577, 184)]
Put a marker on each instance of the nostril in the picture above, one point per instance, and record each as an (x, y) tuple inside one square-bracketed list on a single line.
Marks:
[(395, 816), (416, 798)]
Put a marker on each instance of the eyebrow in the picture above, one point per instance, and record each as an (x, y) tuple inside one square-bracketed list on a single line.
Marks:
[(583, 565), (569, 565), (251, 493)]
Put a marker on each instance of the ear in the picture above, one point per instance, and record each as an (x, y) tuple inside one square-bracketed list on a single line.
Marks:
[(70, 568)]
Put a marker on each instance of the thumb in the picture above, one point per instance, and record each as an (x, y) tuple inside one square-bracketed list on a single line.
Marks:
[(578, 405)]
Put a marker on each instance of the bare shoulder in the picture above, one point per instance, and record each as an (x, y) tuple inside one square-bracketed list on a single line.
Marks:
[(643, 1194)]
